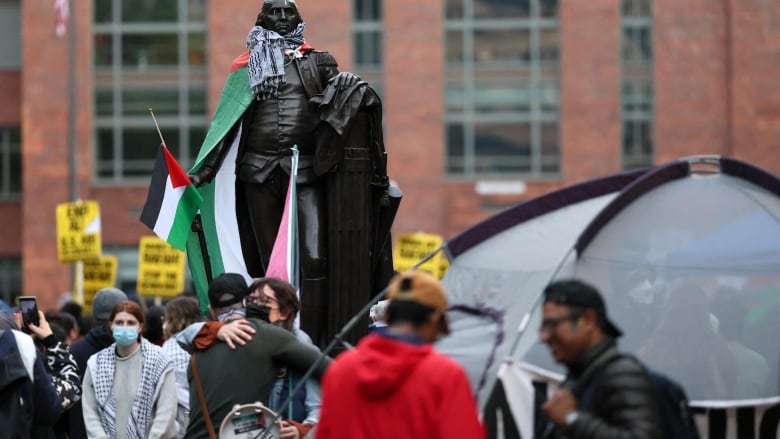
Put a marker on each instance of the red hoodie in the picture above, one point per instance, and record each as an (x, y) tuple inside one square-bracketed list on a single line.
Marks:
[(385, 388)]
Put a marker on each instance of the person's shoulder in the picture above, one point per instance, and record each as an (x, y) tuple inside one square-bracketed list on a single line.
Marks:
[(624, 364)]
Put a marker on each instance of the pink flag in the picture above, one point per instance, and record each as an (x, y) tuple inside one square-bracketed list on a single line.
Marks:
[(61, 15), (283, 263)]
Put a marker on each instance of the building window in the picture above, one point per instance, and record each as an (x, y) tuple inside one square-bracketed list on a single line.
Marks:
[(636, 55), (10, 279), (10, 163), (10, 35), (148, 54), (367, 41), (502, 92)]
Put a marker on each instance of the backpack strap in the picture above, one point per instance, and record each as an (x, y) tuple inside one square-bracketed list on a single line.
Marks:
[(202, 398)]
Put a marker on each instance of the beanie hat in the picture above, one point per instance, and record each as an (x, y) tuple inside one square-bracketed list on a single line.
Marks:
[(104, 302)]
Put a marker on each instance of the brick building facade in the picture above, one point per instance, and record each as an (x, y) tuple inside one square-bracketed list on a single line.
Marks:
[(714, 82)]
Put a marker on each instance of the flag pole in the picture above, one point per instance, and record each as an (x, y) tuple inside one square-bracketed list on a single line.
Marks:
[(156, 125)]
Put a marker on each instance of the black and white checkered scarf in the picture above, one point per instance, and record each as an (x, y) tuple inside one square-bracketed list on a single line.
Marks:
[(102, 365), (266, 58)]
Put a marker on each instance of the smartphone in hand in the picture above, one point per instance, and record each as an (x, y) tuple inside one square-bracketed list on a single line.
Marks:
[(28, 305)]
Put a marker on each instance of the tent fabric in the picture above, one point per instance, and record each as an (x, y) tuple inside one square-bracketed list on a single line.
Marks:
[(688, 264), (687, 255), (517, 254)]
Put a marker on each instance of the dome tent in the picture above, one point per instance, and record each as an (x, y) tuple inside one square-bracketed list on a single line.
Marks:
[(693, 233)]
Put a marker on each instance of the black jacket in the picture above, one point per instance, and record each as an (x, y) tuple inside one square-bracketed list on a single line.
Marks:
[(616, 398)]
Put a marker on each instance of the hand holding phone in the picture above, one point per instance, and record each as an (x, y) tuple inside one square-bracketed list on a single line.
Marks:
[(28, 305)]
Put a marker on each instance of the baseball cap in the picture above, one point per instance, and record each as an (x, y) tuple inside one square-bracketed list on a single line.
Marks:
[(104, 302), (421, 288), (575, 293), (232, 284)]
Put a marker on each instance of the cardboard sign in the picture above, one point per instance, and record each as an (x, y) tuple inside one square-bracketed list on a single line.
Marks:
[(78, 231), (98, 273), (411, 248), (160, 268)]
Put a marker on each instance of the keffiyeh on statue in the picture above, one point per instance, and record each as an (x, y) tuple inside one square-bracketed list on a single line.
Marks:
[(267, 50)]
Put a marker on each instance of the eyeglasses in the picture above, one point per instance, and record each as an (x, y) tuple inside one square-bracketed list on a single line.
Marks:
[(549, 325), (262, 299)]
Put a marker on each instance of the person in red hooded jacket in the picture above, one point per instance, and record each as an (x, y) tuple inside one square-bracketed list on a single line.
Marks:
[(393, 384)]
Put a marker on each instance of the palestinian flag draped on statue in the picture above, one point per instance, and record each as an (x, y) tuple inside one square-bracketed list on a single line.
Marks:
[(172, 202)]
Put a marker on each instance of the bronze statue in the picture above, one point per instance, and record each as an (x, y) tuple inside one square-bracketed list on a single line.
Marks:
[(283, 93)]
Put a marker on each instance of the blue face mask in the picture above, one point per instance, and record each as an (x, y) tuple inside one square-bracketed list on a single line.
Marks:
[(226, 317), (125, 335)]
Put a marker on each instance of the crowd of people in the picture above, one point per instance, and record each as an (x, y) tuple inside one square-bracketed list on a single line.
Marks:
[(122, 380)]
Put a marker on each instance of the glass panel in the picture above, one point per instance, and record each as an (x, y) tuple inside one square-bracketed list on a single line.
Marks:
[(196, 49), (104, 52), (149, 11), (198, 101), (454, 96), (506, 96), (103, 11), (549, 46), (502, 147), (16, 171), (104, 102), (550, 148), (637, 95), (637, 45), (140, 149), (368, 48), (455, 148), (105, 152), (502, 46), (637, 144), (550, 96), (368, 10), (142, 51), (197, 134), (196, 11), (164, 101), (548, 8), (454, 9), (501, 8), (455, 47)]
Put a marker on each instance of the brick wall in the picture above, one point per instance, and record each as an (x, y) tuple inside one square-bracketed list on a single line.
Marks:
[(710, 97)]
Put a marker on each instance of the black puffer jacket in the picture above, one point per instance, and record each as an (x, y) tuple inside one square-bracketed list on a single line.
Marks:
[(615, 396)]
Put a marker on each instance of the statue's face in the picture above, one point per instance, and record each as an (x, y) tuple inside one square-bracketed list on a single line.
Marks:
[(280, 16)]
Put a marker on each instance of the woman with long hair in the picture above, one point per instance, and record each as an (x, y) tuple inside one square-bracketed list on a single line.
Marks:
[(180, 313), (129, 388)]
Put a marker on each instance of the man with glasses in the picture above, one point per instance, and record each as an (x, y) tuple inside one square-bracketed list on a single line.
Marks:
[(605, 394)]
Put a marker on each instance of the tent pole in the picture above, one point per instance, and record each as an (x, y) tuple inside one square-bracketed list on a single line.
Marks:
[(537, 301)]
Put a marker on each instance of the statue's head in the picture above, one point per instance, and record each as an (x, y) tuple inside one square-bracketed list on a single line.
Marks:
[(280, 16)]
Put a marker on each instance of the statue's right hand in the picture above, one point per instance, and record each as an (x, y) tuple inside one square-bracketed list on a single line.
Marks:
[(202, 176)]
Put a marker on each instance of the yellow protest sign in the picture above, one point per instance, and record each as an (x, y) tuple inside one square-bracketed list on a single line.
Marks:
[(160, 268), (98, 273), (78, 231), (412, 247)]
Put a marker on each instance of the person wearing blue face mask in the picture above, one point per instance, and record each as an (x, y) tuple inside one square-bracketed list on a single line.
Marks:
[(129, 388)]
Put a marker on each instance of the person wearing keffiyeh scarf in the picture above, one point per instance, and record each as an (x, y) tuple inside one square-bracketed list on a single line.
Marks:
[(129, 389), (267, 53)]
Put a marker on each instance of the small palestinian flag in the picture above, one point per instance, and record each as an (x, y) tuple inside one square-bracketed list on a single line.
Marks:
[(172, 202)]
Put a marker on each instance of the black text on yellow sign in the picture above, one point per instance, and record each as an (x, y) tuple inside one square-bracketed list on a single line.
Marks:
[(411, 248), (160, 268), (98, 273), (78, 231)]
